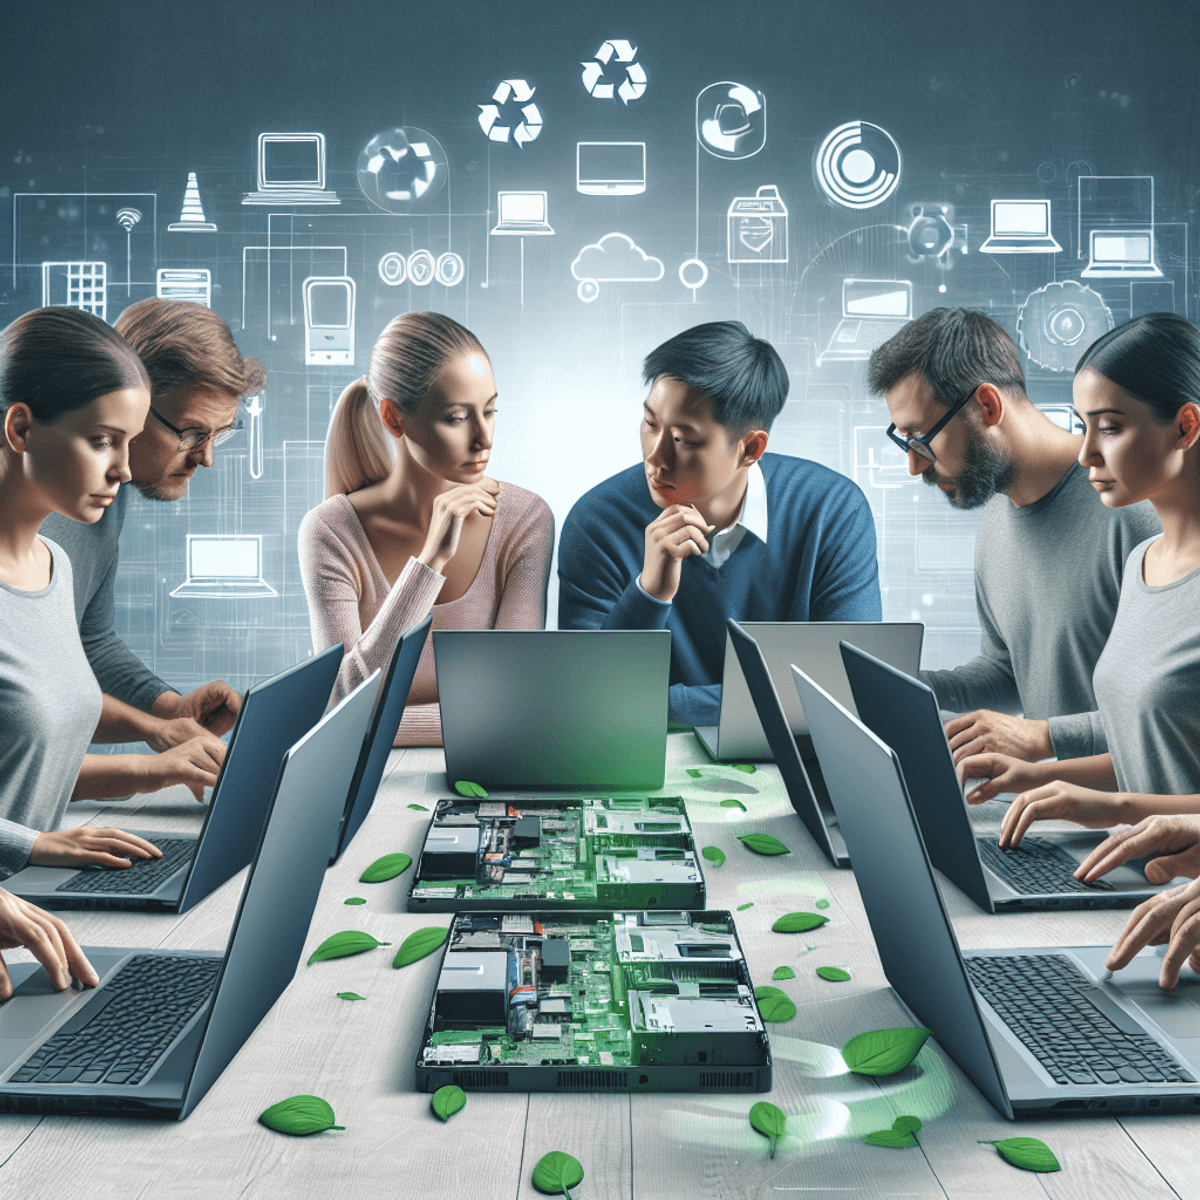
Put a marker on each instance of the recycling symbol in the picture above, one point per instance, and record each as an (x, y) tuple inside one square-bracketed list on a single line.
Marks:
[(516, 96), (622, 54)]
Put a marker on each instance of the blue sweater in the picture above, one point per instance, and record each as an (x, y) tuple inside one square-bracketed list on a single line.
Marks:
[(818, 564)]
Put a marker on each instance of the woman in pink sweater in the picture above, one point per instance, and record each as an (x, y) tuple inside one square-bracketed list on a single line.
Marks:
[(412, 522)]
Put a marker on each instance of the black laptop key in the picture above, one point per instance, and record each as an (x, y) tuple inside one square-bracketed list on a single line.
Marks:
[(1036, 867), (145, 876)]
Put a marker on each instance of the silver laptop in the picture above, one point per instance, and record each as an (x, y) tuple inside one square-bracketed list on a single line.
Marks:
[(738, 736), (163, 1024), (872, 311), (522, 214), (554, 708), (1020, 227), (1121, 254), (1039, 873), (224, 566), (1035, 1029)]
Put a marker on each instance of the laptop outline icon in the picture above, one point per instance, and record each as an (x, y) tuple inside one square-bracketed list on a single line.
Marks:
[(1101, 267), (291, 191), (513, 225), (1011, 236), (587, 183), (223, 585), (844, 346)]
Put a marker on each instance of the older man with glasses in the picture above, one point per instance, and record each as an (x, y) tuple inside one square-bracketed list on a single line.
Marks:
[(197, 378), (1049, 556)]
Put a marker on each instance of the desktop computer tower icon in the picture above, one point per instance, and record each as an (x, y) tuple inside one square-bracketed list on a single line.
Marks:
[(329, 320)]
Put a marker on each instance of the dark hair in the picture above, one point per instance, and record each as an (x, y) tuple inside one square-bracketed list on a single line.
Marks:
[(742, 375), (1155, 358), (58, 360), (954, 350)]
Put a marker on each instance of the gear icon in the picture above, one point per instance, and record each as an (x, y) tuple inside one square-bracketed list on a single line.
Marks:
[(1059, 321), (623, 55), (519, 94)]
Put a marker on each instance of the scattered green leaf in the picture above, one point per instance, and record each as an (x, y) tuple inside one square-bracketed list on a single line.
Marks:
[(769, 1121), (743, 907), (385, 868), (783, 973), (883, 1051), (340, 945), (901, 1136), (714, 854), (749, 768), (822, 903), (717, 783), (907, 1124), (417, 945), (350, 996), (447, 1101), (733, 804), (799, 922), (556, 1172), (695, 774), (354, 900), (419, 807), (299, 1116), (1030, 1154), (834, 974), (773, 1004), (762, 843), (464, 787)]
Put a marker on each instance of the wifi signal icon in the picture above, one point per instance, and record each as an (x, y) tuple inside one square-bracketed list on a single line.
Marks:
[(127, 218)]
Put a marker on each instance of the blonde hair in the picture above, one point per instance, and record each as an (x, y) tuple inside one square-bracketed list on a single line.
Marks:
[(405, 361)]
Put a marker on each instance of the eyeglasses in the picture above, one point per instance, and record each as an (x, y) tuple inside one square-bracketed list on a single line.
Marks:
[(190, 440), (919, 443)]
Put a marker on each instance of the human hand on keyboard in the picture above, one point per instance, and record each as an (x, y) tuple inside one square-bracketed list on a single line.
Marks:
[(49, 940), (1172, 917), (1063, 802), (86, 845), (1176, 838)]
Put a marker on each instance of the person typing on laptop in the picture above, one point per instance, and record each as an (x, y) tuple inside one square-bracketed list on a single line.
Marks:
[(708, 526), (49, 941)]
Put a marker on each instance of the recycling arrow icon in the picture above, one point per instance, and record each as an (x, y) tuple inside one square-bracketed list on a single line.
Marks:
[(617, 54), (513, 98)]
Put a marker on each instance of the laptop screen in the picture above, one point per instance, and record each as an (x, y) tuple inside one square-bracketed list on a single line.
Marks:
[(602, 163), (876, 298), (291, 160), (1121, 247), (523, 207), (329, 305), (1021, 218), (223, 557)]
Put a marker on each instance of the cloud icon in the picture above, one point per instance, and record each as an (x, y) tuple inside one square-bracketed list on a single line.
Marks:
[(616, 258)]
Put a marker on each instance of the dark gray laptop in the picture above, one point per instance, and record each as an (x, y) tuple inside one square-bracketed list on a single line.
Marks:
[(1039, 873), (1035, 1029), (274, 714), (163, 1024), (554, 708)]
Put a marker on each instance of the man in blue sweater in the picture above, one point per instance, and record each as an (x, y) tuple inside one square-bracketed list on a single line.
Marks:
[(709, 526)]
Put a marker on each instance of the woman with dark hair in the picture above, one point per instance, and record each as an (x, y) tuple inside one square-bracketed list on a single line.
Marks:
[(73, 394), (412, 522)]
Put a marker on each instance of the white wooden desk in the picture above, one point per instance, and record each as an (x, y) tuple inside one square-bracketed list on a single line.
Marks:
[(359, 1056)]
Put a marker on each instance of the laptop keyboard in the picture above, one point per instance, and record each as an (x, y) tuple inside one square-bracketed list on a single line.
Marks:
[(143, 877), (124, 1031), (1036, 867), (1039, 998)]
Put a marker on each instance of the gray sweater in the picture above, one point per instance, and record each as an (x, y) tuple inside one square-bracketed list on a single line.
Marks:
[(49, 706), (93, 551), (1047, 582)]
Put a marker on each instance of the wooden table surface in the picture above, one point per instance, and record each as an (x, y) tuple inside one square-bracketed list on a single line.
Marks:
[(359, 1055)]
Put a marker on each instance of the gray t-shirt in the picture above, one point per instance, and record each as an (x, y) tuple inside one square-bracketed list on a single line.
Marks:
[(1047, 582), (1148, 684), (49, 706), (93, 550)]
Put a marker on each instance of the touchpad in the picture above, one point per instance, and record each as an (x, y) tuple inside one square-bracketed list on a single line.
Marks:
[(1177, 1012), (33, 1004)]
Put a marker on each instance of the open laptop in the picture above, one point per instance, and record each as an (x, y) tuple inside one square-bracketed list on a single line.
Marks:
[(163, 1024), (1020, 227), (224, 566), (291, 170), (554, 708), (1039, 873), (738, 736), (1037, 1030), (522, 214), (1121, 254), (872, 311), (274, 714), (381, 732)]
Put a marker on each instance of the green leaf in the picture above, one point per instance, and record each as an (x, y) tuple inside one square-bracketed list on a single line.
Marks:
[(733, 804), (714, 855), (695, 774), (419, 807), (783, 973), (883, 1051), (1030, 1154), (447, 1101), (834, 974), (419, 944), (822, 904), (773, 1004), (743, 907), (907, 1125), (769, 1121), (464, 787), (299, 1116), (385, 868), (556, 1172), (749, 768), (762, 843), (892, 1138), (799, 922), (351, 941), (354, 900), (350, 996)]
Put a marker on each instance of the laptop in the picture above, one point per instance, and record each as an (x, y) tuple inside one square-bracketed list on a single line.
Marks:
[(610, 168), (381, 732), (738, 735), (1039, 873), (559, 708), (291, 170), (872, 311), (224, 566), (522, 214), (1020, 227), (1037, 1030), (274, 714), (163, 1024), (1121, 254)]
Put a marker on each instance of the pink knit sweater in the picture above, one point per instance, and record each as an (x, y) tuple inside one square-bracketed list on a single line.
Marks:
[(350, 600)]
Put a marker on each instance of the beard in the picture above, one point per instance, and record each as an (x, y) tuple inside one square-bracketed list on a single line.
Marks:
[(154, 491), (985, 472)]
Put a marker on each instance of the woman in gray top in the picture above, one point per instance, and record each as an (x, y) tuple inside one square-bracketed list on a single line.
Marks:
[(73, 394)]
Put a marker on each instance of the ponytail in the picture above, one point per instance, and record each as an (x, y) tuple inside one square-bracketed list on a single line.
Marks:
[(358, 450)]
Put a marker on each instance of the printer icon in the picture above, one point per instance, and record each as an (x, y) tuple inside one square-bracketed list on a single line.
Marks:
[(758, 230)]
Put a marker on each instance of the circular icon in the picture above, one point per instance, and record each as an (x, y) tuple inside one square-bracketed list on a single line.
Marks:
[(1057, 321), (621, 58), (699, 275), (421, 268), (512, 113), (392, 269), (401, 168), (858, 165), (449, 269), (930, 235), (587, 290), (731, 120), (1047, 172)]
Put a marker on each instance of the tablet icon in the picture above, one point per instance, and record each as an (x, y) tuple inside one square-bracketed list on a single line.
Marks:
[(731, 120)]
